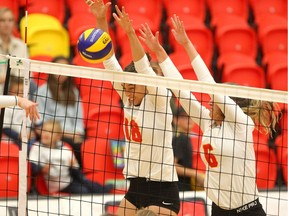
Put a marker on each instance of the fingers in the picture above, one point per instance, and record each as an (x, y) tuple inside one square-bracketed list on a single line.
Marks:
[(90, 2), (118, 11)]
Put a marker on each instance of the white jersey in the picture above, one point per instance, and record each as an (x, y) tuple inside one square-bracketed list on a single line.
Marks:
[(60, 160), (7, 100), (148, 130), (227, 150)]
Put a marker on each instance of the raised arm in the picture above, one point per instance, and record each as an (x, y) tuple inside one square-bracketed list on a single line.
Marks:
[(123, 19), (187, 100), (140, 59), (203, 73), (99, 10)]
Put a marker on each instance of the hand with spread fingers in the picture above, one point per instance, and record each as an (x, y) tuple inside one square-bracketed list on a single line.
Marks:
[(152, 41), (29, 107), (123, 19), (178, 30), (98, 8)]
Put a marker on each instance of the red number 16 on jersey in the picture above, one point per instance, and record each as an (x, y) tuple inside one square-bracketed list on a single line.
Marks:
[(209, 156), (134, 132)]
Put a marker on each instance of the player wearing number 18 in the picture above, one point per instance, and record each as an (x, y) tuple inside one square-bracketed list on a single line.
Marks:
[(94, 45), (149, 160)]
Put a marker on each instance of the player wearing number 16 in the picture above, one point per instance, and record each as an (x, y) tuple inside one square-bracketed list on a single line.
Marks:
[(227, 143)]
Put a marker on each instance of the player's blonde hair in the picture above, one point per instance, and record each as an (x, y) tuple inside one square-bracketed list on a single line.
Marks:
[(265, 114), (4, 10)]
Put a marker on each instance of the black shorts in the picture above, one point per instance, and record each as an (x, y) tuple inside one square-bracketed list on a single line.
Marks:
[(143, 193), (253, 208)]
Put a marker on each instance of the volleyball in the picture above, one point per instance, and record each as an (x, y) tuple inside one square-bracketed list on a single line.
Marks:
[(94, 45)]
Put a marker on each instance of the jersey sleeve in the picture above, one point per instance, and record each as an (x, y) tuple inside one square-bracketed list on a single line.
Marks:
[(143, 67), (113, 64), (232, 112), (6, 100), (190, 104)]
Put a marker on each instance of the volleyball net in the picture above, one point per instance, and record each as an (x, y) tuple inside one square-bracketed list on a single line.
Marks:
[(93, 130)]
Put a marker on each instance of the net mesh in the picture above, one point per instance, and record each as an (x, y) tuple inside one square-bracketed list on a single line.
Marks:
[(93, 132)]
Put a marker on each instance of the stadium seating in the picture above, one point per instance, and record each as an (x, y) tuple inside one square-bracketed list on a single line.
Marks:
[(283, 122), (200, 35), (276, 70), (46, 36), (194, 8), (149, 9), (13, 5), (76, 25), (238, 8), (107, 123), (262, 8), (55, 8), (272, 34), (233, 34), (9, 170), (193, 207), (241, 69), (266, 166), (98, 164), (281, 143)]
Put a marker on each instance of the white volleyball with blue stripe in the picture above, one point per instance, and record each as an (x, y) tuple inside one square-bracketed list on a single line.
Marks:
[(94, 45)]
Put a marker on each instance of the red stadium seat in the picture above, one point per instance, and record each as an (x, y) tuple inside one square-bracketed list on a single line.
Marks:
[(237, 67), (233, 34), (260, 138), (238, 8), (276, 75), (193, 207), (77, 7), (149, 9), (266, 166), (9, 170), (283, 122), (55, 8), (107, 123), (272, 34), (194, 8), (262, 8), (281, 143), (13, 5), (200, 35), (76, 25), (98, 163)]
